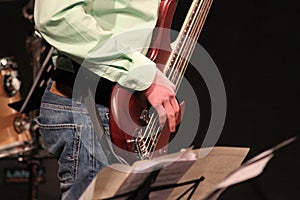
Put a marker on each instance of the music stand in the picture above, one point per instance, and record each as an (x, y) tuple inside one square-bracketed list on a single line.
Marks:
[(143, 192)]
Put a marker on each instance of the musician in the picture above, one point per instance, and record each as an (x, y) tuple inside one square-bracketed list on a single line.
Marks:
[(86, 29)]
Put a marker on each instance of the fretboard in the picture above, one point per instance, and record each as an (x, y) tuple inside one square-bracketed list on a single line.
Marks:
[(186, 41)]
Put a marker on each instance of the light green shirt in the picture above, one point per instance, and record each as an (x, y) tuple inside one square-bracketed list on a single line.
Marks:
[(110, 36)]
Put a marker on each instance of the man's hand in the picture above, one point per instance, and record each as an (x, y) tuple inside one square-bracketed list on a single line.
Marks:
[(161, 95)]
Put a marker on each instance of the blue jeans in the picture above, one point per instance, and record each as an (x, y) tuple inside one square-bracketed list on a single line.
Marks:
[(67, 133)]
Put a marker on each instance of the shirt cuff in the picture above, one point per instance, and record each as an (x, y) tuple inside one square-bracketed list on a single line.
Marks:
[(141, 72), (134, 70)]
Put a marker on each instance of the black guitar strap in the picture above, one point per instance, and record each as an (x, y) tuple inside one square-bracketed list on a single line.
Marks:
[(99, 129)]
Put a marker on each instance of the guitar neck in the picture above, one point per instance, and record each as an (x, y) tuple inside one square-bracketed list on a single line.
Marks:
[(187, 40)]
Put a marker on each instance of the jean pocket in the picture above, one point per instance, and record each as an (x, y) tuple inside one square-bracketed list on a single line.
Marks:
[(63, 141)]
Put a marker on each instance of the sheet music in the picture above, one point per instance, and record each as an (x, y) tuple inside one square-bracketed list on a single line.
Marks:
[(119, 179), (248, 170), (215, 166)]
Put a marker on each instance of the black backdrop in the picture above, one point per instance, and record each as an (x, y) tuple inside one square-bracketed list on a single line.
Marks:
[(256, 46)]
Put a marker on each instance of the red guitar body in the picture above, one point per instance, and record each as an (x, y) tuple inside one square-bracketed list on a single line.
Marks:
[(128, 113)]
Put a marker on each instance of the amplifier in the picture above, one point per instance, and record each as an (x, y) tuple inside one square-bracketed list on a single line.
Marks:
[(15, 179)]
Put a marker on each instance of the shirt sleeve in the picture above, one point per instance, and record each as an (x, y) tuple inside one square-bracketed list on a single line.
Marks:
[(67, 26)]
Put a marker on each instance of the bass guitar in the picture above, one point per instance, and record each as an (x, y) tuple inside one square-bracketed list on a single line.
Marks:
[(135, 131)]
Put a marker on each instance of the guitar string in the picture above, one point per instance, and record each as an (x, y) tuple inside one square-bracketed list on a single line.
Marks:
[(192, 42), (181, 45), (184, 61), (189, 42), (149, 145)]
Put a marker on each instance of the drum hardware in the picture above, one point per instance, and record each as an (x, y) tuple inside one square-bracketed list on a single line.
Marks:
[(42, 68), (15, 137), (21, 124), (11, 83), (8, 62)]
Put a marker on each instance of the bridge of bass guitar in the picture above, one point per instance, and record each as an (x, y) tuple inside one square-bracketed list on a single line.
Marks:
[(135, 131)]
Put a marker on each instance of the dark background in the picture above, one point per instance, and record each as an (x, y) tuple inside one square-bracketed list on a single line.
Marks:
[(256, 46)]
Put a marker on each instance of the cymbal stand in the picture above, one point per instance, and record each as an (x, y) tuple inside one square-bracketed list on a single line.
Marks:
[(36, 48)]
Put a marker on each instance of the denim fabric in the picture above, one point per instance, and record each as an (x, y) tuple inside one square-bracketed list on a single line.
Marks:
[(67, 133)]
